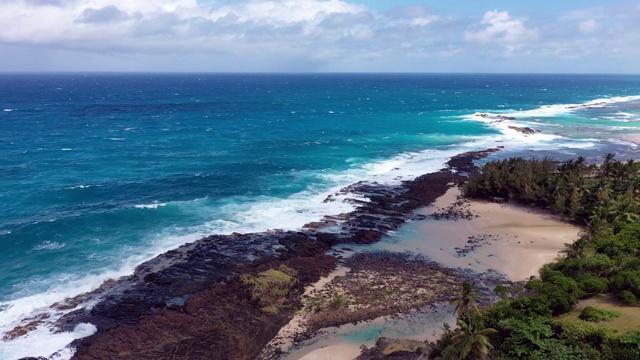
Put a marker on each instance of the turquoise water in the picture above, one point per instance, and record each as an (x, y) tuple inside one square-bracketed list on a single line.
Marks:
[(100, 172)]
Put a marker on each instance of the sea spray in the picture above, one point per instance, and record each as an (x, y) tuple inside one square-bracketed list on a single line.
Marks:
[(80, 208)]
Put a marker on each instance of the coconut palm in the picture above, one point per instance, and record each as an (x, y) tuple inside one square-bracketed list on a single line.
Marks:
[(471, 342), (466, 299), (607, 164)]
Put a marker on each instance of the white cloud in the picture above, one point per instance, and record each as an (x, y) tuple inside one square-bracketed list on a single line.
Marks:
[(423, 21), (119, 21), (330, 35), (589, 26), (290, 11), (106, 14), (500, 27)]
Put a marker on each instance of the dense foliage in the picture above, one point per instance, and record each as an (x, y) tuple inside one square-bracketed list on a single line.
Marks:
[(533, 325), (598, 195)]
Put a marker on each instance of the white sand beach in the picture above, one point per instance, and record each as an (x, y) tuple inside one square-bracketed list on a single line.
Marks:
[(512, 240)]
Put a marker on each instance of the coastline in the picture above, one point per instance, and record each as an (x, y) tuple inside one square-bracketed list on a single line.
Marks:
[(489, 242), (513, 240), (183, 280), (195, 298)]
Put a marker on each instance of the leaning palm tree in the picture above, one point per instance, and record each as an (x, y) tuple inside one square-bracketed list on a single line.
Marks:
[(472, 342), (466, 299)]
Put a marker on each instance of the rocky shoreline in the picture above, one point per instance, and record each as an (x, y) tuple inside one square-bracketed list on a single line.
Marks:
[(199, 301)]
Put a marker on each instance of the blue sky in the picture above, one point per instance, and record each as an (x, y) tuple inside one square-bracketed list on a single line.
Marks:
[(561, 36)]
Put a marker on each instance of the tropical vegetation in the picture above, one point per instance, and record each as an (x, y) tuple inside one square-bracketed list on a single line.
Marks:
[(605, 260)]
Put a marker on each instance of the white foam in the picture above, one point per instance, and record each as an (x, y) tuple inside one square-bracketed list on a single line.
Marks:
[(9, 110), (43, 342), (239, 215), (554, 110), (48, 245), (66, 149), (116, 139), (150, 206), (502, 122), (79, 187), (623, 142), (255, 214), (18, 312)]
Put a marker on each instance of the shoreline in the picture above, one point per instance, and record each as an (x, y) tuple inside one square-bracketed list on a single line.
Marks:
[(491, 243), (166, 303), (514, 240)]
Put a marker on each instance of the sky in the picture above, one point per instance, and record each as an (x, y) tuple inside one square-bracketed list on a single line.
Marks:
[(493, 36)]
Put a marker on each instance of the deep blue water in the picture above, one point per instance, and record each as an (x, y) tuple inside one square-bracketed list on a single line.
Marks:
[(99, 172)]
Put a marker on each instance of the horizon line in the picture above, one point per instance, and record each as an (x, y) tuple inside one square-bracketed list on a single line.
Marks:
[(132, 72)]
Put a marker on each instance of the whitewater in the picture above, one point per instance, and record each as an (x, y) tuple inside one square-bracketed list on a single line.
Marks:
[(101, 172)]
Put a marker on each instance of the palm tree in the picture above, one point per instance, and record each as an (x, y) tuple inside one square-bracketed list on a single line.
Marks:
[(471, 341), (607, 164), (466, 298), (581, 165), (623, 208)]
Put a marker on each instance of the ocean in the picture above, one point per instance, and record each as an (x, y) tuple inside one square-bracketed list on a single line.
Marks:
[(100, 172)]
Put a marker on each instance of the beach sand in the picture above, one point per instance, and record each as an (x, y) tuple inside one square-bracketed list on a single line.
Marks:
[(511, 240), (634, 138), (334, 352)]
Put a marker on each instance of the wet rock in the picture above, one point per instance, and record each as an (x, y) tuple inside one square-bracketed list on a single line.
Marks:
[(524, 130), (189, 303)]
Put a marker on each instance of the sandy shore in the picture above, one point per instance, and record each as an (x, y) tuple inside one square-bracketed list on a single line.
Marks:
[(510, 240), (634, 138)]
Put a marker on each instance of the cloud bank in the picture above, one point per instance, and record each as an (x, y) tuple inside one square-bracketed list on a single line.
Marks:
[(305, 35)]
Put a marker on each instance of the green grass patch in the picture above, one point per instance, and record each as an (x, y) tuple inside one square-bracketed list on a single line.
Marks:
[(628, 318), (271, 288)]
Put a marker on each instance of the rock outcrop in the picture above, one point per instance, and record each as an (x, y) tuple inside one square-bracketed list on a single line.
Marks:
[(191, 302)]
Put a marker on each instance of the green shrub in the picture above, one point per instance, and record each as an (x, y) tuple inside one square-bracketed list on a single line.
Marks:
[(559, 350), (525, 336), (562, 292), (522, 308), (592, 284), (626, 285), (338, 300), (271, 288), (628, 297), (315, 303), (624, 244), (593, 314), (626, 346), (583, 331)]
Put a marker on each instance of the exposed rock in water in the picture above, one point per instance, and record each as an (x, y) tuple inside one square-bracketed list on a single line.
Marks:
[(192, 303), (524, 130)]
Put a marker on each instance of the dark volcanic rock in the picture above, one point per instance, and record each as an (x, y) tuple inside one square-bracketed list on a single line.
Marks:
[(190, 303), (524, 130), (220, 322), (464, 163)]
